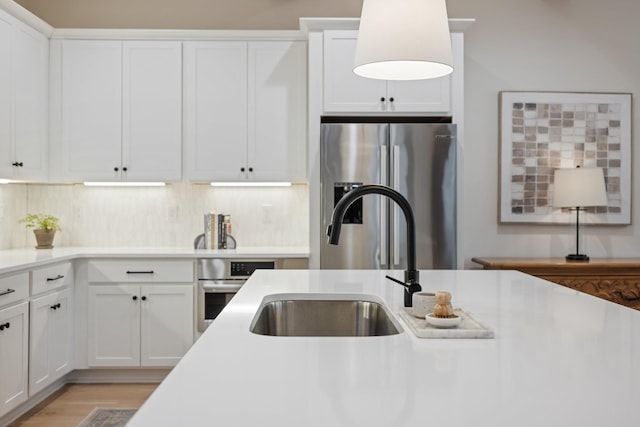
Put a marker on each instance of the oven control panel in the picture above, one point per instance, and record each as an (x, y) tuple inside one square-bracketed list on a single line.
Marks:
[(246, 268)]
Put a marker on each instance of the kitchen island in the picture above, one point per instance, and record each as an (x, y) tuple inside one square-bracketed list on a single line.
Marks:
[(559, 358)]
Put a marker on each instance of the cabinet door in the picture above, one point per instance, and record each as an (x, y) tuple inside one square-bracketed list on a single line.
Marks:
[(215, 110), (30, 76), (152, 111), (277, 111), (14, 335), (23, 101), (6, 98), (344, 91), (91, 110), (114, 325), (424, 96), (167, 324), (51, 340)]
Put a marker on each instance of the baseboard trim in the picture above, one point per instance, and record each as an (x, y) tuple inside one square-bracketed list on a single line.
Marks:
[(87, 376), (32, 402)]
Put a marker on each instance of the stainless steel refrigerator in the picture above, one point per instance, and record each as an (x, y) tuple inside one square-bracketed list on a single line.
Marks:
[(416, 159)]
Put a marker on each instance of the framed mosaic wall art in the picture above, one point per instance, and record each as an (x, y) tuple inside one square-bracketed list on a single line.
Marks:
[(543, 131)]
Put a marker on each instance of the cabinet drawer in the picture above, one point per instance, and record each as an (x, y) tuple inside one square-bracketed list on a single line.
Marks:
[(14, 288), (141, 271), (51, 277)]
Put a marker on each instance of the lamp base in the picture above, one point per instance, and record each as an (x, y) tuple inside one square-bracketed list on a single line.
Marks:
[(577, 257)]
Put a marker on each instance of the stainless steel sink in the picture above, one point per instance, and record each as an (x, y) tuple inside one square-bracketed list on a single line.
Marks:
[(322, 315)]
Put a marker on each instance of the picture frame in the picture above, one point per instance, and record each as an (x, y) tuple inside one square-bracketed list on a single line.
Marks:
[(542, 131)]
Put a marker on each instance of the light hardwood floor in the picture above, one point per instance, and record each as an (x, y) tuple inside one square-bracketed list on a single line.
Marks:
[(73, 402)]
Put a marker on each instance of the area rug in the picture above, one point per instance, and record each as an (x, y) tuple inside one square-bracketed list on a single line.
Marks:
[(108, 417)]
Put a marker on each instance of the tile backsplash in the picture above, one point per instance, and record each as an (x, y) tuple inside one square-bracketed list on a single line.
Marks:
[(155, 216)]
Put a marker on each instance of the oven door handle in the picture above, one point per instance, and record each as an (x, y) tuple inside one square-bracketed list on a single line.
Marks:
[(221, 287)]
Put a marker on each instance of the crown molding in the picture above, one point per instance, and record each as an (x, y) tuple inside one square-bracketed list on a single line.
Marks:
[(23, 15)]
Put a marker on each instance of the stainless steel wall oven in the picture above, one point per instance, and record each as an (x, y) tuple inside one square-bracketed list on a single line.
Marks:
[(218, 281)]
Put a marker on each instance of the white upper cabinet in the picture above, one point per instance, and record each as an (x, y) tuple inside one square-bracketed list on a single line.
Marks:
[(245, 111), (345, 92), (152, 111), (215, 109), (277, 111), (23, 101), (116, 113)]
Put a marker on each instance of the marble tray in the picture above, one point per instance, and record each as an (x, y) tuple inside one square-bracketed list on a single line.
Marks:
[(469, 327)]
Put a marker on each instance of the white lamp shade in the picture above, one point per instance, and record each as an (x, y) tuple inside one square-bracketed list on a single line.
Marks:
[(579, 187), (403, 40)]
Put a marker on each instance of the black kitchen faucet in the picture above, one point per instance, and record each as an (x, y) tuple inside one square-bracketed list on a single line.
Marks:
[(411, 274)]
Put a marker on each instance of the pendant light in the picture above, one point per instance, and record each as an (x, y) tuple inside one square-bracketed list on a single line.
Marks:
[(403, 40)]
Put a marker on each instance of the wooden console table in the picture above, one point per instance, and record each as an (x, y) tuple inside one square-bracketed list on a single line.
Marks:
[(616, 280)]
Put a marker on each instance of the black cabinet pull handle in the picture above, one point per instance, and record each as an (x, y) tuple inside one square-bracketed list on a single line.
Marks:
[(144, 298), (58, 277), (5, 326), (139, 272), (17, 164), (135, 298), (8, 291), (56, 306)]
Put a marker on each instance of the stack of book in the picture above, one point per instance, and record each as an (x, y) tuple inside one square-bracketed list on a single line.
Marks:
[(216, 229)]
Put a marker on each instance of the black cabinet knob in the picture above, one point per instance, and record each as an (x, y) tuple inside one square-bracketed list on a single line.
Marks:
[(144, 298), (391, 99), (241, 169), (135, 298), (124, 169), (250, 169), (116, 169), (382, 99)]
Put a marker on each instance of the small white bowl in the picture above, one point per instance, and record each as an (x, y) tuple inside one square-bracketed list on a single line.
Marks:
[(443, 322)]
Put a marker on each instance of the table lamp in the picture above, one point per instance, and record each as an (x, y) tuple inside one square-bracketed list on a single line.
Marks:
[(578, 188)]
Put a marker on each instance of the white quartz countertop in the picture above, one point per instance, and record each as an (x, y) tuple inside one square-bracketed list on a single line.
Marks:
[(559, 358), (17, 259)]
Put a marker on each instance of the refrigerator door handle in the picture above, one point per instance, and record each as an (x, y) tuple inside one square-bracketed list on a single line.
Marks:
[(395, 184), (383, 209)]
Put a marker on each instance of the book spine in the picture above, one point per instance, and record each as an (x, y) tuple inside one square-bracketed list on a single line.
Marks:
[(207, 231), (220, 231), (213, 243)]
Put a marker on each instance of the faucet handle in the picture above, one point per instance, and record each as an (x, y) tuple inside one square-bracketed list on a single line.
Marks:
[(410, 288)]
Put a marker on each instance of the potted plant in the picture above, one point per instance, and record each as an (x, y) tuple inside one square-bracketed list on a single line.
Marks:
[(45, 227)]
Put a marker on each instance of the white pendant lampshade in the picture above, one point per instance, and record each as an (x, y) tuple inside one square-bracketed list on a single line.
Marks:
[(579, 187), (403, 40)]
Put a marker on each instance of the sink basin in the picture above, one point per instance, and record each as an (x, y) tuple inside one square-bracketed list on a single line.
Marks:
[(323, 315)]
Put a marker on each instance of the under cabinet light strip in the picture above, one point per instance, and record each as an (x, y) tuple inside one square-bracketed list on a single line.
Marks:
[(251, 184), (124, 184), (4, 181)]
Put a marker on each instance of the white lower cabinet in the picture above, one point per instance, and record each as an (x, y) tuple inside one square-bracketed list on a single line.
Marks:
[(14, 345), (139, 325), (51, 339)]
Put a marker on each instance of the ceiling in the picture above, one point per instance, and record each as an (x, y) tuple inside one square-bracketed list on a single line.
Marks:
[(187, 14)]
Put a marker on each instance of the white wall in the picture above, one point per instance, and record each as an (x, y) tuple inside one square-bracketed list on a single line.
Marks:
[(537, 45), (540, 45), (165, 216)]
